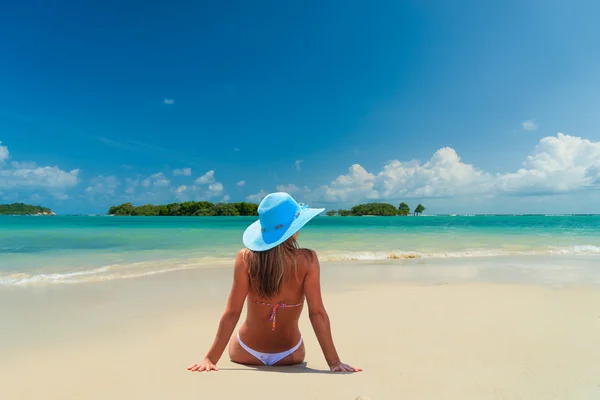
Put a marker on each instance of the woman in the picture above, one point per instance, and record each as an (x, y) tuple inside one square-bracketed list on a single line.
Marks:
[(276, 276)]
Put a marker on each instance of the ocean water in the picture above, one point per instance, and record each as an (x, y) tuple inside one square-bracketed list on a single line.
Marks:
[(74, 249)]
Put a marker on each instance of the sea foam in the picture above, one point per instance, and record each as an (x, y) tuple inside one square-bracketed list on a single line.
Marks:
[(147, 268)]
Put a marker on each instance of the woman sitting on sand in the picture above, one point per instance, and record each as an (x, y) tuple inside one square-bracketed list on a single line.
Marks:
[(276, 276)]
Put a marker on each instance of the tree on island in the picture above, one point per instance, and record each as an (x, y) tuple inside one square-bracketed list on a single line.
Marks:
[(188, 208), (208, 209), (403, 209), (380, 209), (226, 210), (123, 209), (419, 209), (23, 209)]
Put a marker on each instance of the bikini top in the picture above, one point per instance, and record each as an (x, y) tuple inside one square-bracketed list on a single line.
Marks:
[(273, 316)]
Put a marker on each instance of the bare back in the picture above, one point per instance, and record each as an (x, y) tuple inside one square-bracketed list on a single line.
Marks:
[(257, 330)]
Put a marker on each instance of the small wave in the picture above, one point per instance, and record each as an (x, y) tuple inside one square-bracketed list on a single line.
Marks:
[(107, 273), (148, 268), (401, 255), (583, 249), (368, 256)]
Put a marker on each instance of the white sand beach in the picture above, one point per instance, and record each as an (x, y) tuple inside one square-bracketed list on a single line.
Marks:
[(416, 334)]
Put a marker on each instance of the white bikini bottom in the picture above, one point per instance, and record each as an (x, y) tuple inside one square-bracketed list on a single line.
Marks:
[(268, 358)]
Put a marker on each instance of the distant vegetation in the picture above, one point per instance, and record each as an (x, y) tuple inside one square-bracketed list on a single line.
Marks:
[(379, 209), (23, 209), (188, 208), (205, 208)]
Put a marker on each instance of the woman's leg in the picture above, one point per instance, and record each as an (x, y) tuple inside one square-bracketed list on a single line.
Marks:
[(240, 356), (295, 358)]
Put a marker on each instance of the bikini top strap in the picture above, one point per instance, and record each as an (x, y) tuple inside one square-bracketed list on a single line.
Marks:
[(273, 315)]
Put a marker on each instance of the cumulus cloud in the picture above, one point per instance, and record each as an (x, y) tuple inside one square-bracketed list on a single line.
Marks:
[(38, 177), (291, 188), (298, 164), (103, 186), (257, 197), (155, 189), (182, 172), (3, 153), (156, 180), (529, 125), (169, 101), (241, 183), (29, 176), (226, 198), (558, 165), (132, 184), (208, 177), (216, 187), (181, 189)]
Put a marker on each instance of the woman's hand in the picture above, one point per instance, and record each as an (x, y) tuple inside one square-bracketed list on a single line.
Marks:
[(205, 365), (341, 367)]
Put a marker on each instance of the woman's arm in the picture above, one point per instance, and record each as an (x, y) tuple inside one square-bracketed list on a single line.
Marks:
[(230, 317), (319, 318)]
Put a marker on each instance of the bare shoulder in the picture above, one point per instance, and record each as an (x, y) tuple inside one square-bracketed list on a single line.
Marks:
[(241, 258), (242, 252), (308, 258)]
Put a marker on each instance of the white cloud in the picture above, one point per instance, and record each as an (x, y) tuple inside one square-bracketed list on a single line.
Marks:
[(357, 184), (155, 189), (182, 172), (156, 180), (208, 177), (291, 188), (38, 177), (529, 125), (103, 186), (558, 164), (297, 164), (257, 197), (181, 189), (593, 175), (213, 190), (226, 198), (241, 183), (216, 187), (169, 101), (28, 176), (131, 185), (3, 153)]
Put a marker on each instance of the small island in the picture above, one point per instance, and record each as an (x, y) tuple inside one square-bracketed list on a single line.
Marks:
[(24, 209), (188, 208), (377, 209), (208, 209)]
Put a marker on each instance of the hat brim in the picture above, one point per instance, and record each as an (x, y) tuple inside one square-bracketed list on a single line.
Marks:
[(257, 240)]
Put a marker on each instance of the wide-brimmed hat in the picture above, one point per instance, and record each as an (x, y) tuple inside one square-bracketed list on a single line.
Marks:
[(279, 217)]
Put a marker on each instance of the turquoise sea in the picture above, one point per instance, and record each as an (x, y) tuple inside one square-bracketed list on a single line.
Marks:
[(73, 249)]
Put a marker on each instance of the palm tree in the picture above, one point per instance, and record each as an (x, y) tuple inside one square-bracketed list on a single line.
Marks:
[(419, 209)]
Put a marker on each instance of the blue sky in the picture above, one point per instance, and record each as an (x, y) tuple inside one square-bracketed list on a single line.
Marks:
[(457, 105)]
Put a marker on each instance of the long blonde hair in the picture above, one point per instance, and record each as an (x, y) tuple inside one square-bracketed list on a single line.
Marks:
[(267, 268)]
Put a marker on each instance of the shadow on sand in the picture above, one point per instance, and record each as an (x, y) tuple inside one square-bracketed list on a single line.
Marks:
[(292, 369)]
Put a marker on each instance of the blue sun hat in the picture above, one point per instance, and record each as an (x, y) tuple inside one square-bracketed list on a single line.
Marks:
[(279, 217)]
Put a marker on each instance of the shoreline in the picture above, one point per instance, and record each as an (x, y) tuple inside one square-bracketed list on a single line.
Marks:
[(451, 335), (564, 268)]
